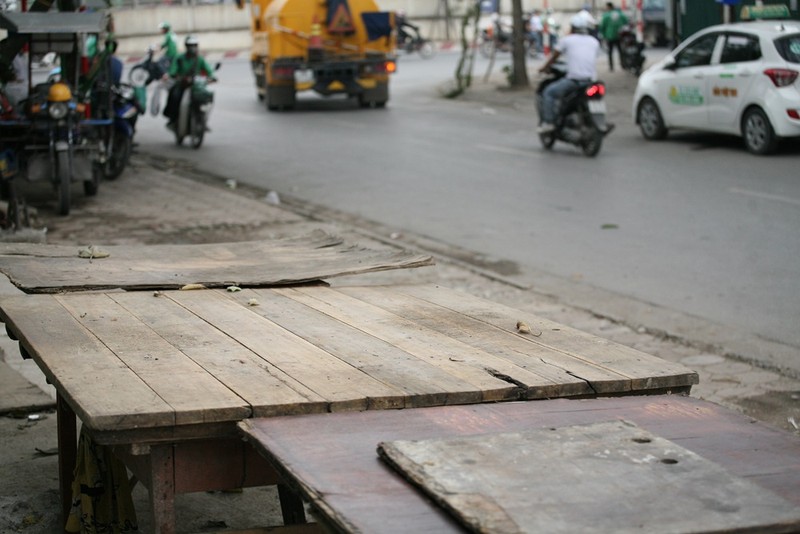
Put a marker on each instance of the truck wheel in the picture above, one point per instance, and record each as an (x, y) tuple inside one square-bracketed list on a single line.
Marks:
[(280, 97), (374, 98)]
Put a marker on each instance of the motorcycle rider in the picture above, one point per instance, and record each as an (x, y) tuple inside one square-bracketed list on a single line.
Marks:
[(402, 23), (185, 66), (591, 22), (581, 51), (169, 45)]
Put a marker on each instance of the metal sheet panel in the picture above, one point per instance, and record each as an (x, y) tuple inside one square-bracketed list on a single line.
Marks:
[(53, 22)]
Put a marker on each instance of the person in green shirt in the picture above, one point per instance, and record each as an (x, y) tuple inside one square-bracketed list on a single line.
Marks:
[(182, 70), (610, 25), (169, 45)]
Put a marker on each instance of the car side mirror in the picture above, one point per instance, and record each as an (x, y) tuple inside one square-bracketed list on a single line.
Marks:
[(670, 63)]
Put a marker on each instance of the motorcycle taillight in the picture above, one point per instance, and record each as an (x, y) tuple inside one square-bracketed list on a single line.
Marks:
[(596, 90)]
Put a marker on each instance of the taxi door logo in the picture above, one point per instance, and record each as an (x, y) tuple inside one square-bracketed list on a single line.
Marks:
[(726, 92), (686, 95), (339, 18)]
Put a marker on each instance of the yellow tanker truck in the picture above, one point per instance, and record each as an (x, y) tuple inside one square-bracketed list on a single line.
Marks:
[(327, 46)]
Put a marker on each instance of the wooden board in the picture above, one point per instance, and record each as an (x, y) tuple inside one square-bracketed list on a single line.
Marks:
[(316, 256), (331, 458), (606, 477), (200, 357)]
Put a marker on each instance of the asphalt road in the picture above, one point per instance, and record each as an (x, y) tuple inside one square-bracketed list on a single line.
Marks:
[(694, 228)]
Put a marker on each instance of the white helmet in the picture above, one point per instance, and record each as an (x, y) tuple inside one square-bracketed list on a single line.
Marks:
[(579, 22)]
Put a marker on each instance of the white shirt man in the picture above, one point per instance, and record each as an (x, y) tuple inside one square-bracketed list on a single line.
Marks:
[(581, 51)]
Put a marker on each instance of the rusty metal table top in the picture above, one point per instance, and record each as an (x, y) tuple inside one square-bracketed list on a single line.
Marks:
[(333, 461)]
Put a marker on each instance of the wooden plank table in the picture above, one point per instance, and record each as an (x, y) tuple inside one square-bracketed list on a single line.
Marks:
[(333, 461), (147, 371), (318, 255)]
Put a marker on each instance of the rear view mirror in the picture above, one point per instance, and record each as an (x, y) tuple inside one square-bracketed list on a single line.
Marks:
[(670, 63)]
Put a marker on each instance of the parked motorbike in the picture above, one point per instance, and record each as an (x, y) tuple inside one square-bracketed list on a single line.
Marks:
[(631, 51), (127, 109), (143, 74), (581, 119), (62, 144), (195, 107)]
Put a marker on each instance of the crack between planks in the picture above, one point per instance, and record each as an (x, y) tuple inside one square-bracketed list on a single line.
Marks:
[(521, 388)]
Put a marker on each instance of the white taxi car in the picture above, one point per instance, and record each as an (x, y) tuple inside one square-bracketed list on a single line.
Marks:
[(739, 78)]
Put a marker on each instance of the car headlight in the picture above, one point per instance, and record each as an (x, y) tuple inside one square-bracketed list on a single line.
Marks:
[(57, 110)]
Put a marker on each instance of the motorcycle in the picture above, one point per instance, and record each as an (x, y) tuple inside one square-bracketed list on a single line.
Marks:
[(143, 74), (631, 51), (195, 107), (581, 119), (60, 133), (127, 109), (417, 43), (61, 146), (494, 39)]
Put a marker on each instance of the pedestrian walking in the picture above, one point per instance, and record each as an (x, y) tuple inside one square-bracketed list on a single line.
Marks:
[(537, 31), (610, 25)]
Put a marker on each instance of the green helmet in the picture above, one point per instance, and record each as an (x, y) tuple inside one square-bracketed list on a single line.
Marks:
[(164, 26)]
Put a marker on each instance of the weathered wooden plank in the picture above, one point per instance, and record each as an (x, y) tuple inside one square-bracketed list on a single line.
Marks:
[(267, 389), (644, 371), (608, 477), (423, 384), (49, 268), (332, 458), (473, 365), (85, 371), (195, 395), (342, 385), (566, 376)]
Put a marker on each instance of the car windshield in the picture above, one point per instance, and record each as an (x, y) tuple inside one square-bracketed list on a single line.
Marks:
[(789, 47)]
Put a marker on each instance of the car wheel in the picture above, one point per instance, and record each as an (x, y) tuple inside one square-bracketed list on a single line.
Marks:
[(759, 137), (650, 122)]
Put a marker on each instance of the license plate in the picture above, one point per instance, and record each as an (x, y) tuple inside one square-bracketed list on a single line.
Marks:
[(303, 76), (597, 106)]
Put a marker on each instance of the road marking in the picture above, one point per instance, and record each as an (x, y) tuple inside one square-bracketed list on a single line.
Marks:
[(506, 150), (765, 196)]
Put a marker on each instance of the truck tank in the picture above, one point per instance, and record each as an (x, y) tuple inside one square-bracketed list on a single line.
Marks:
[(327, 46)]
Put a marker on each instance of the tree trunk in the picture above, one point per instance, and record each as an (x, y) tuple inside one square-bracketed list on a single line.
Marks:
[(519, 77)]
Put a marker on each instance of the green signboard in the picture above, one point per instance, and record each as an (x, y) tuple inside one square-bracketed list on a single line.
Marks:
[(773, 11), (694, 15)]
